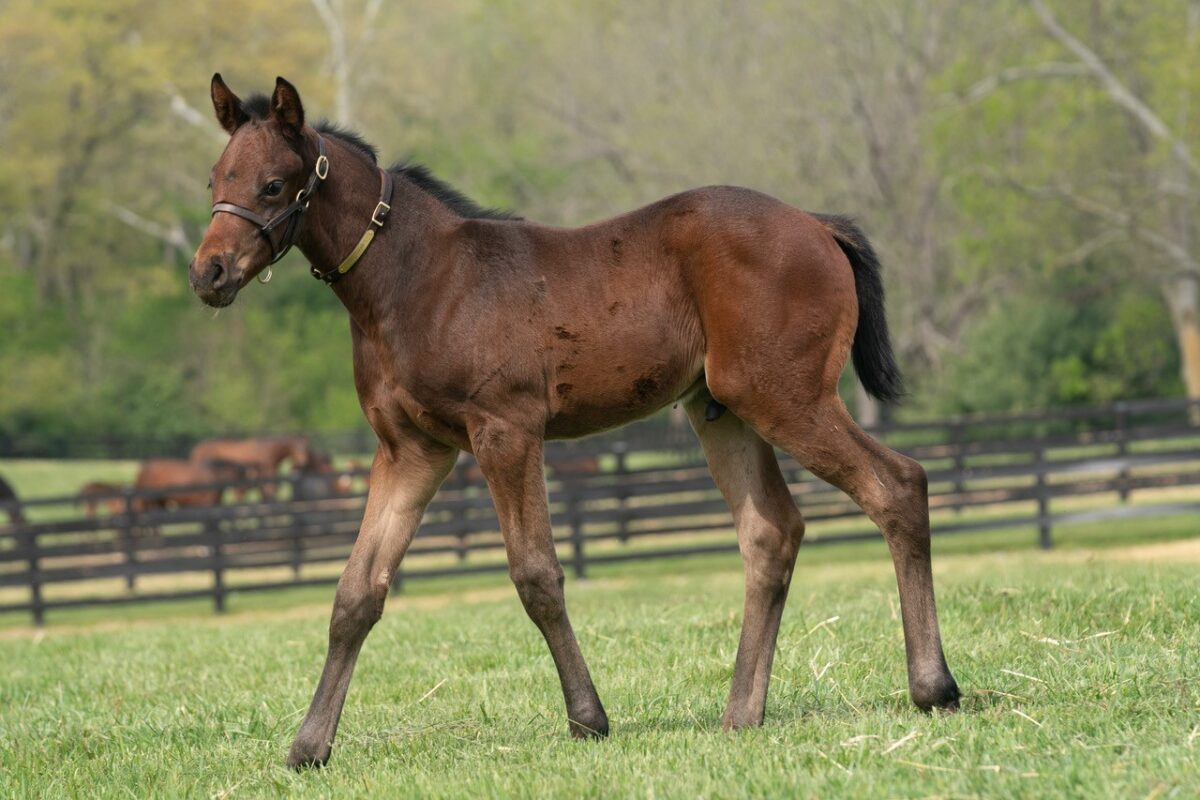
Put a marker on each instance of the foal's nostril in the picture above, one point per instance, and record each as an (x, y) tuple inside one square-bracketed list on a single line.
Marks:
[(218, 274)]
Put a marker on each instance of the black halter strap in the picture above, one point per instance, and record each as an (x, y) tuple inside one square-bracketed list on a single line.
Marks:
[(281, 230)]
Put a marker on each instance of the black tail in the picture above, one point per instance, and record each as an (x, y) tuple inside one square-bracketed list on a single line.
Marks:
[(872, 353)]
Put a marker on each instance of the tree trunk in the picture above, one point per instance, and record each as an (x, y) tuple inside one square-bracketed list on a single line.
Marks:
[(1183, 298)]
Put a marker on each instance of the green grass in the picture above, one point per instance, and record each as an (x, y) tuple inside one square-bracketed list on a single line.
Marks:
[(32, 478), (1081, 670)]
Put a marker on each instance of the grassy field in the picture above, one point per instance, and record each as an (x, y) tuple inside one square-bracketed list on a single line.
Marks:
[(37, 477), (1081, 673)]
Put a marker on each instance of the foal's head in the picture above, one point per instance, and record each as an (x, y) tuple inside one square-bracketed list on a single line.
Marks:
[(269, 163)]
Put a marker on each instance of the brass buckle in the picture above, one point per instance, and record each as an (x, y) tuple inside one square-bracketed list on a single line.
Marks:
[(322, 167), (380, 208)]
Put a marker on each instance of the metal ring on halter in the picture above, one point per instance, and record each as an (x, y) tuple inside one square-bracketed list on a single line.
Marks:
[(267, 279)]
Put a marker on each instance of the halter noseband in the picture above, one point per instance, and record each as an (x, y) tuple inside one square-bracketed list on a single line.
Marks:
[(280, 231)]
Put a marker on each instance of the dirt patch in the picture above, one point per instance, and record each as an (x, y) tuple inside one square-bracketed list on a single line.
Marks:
[(1184, 550)]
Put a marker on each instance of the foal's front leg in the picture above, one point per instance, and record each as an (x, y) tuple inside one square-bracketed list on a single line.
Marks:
[(512, 463), (400, 488)]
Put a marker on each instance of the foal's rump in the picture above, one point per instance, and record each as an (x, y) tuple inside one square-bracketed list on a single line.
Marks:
[(723, 284), (782, 297)]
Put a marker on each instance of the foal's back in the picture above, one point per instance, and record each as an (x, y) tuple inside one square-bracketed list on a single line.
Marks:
[(624, 311)]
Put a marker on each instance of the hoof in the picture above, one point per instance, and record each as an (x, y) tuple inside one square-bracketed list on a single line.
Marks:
[(305, 755), (589, 726), (941, 693), (736, 721)]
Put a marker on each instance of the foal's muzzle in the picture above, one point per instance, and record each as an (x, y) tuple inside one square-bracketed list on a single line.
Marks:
[(215, 279)]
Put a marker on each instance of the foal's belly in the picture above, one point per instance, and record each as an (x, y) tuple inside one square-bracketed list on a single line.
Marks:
[(621, 366)]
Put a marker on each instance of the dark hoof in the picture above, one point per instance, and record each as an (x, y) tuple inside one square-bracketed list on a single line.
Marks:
[(736, 722), (305, 755), (590, 726), (941, 694)]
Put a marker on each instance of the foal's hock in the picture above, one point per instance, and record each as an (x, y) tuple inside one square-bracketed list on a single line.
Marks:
[(474, 330)]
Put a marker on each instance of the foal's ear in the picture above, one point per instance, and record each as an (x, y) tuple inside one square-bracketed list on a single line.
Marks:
[(228, 106), (286, 107)]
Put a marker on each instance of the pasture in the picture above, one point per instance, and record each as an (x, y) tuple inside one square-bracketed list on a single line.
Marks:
[(1080, 670)]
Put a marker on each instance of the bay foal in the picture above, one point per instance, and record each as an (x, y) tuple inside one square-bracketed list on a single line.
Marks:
[(476, 331)]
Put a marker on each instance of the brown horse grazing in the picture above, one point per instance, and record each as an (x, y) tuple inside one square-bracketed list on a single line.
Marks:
[(319, 480), (475, 331), (260, 457), (161, 474), (8, 503), (99, 495)]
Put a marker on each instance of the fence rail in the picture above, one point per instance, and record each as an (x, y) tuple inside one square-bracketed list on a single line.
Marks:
[(619, 503)]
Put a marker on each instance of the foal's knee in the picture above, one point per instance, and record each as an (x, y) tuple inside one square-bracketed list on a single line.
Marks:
[(914, 482), (356, 608), (903, 511), (540, 587), (770, 554)]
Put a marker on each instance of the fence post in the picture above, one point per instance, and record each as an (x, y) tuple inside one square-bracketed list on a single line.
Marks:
[(460, 513), (1043, 501), (1122, 430), (578, 559), (619, 450), (30, 539), (299, 527), (298, 530), (128, 535), (956, 439), (213, 528)]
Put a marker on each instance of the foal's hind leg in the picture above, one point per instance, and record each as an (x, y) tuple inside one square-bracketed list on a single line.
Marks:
[(892, 490), (769, 529)]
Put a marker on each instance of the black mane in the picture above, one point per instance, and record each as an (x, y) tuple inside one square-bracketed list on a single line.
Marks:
[(420, 176), (258, 106), (335, 131)]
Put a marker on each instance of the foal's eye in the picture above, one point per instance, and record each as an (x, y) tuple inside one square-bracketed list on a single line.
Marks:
[(273, 188)]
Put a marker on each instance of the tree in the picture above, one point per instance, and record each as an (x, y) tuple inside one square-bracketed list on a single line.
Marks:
[(1123, 78)]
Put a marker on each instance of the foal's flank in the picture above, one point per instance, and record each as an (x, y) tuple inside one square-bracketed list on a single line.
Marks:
[(477, 331)]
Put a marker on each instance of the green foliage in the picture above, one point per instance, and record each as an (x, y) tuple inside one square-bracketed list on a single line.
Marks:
[(567, 113), (1066, 344)]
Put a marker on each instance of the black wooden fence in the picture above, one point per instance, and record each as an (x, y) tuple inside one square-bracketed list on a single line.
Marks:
[(611, 500)]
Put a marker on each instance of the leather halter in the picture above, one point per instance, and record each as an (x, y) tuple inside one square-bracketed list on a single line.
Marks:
[(280, 230), (378, 217)]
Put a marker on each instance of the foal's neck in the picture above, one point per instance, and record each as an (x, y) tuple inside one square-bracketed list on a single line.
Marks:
[(341, 213)]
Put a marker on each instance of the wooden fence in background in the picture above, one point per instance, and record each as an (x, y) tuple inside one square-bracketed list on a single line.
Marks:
[(612, 499)]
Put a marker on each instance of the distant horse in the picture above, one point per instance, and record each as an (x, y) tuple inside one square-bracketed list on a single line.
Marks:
[(8, 503), (575, 465), (318, 479), (98, 495), (476, 331), (162, 474), (261, 457)]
